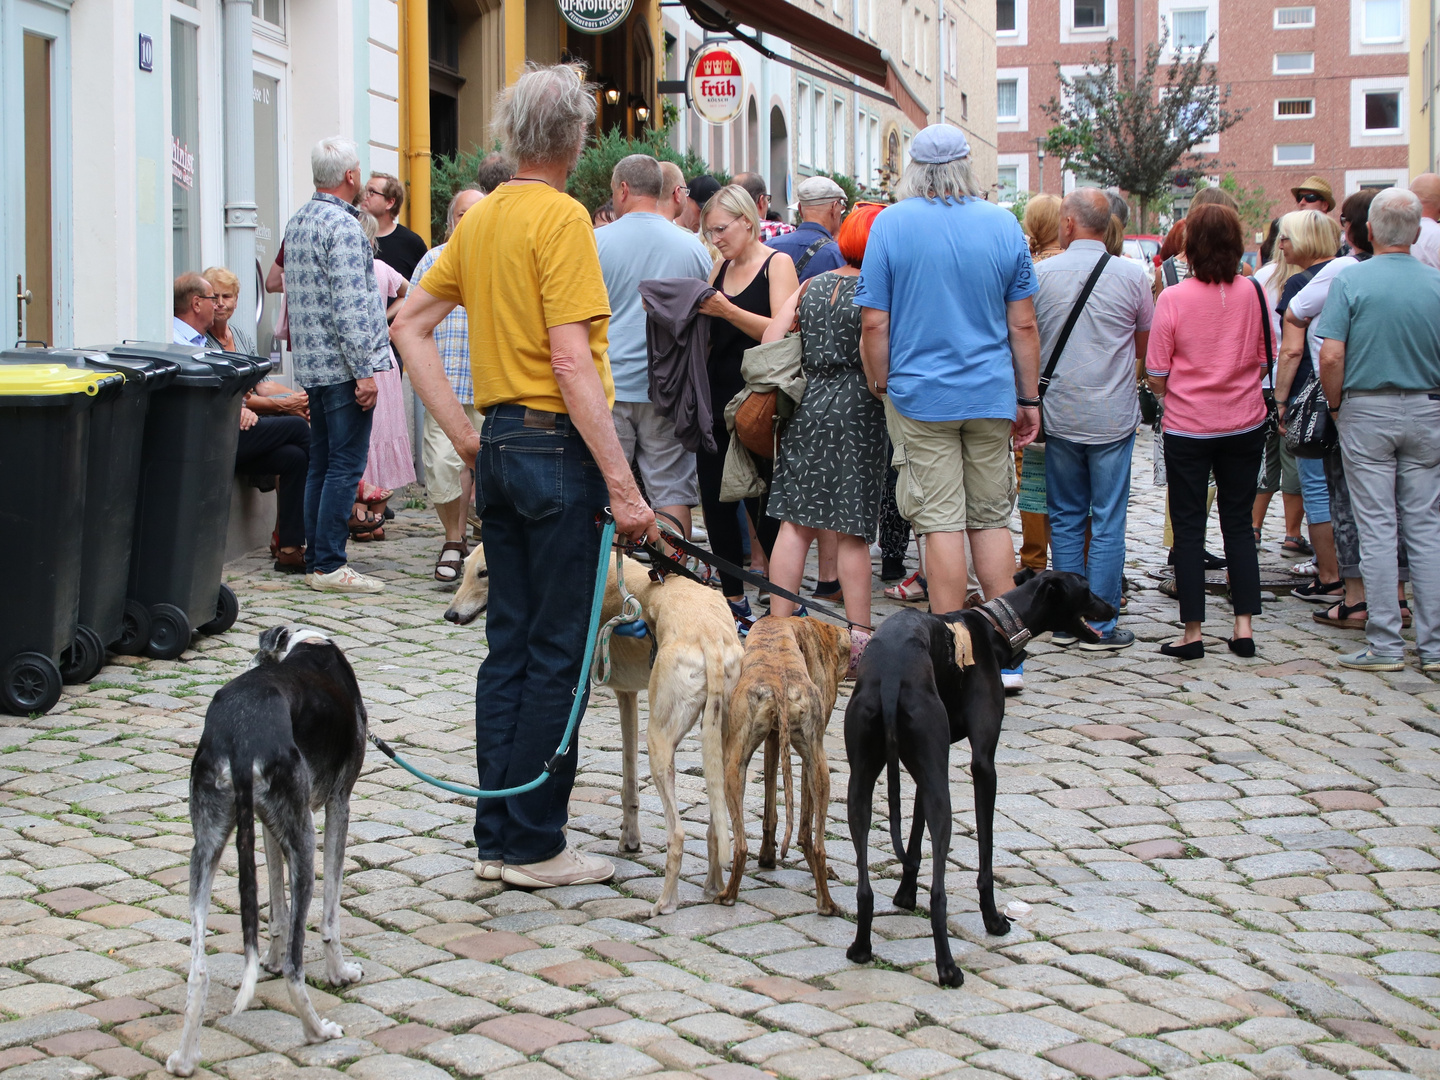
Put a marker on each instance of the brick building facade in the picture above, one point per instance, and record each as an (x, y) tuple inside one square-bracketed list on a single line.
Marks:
[(1326, 84)]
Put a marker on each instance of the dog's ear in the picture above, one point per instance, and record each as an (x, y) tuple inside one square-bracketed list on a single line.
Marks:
[(1025, 574)]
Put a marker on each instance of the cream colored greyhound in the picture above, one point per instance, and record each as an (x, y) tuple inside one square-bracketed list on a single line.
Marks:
[(696, 664)]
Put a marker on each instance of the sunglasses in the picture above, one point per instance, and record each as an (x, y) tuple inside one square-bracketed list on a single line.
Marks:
[(1310, 197)]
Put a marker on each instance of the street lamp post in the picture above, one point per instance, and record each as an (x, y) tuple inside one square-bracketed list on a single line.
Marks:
[(1040, 157)]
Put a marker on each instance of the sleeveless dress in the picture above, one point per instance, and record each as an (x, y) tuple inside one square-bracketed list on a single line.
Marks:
[(391, 463), (830, 470)]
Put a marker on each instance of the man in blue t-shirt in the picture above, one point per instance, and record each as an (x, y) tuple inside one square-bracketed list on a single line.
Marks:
[(949, 338), (641, 244), (811, 245)]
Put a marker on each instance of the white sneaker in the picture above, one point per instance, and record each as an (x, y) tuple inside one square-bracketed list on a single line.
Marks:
[(570, 867), (344, 580)]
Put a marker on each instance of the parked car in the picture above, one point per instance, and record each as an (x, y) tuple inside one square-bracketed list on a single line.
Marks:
[(1143, 249)]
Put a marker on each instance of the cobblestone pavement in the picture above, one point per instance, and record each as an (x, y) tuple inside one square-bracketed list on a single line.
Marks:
[(1232, 865)]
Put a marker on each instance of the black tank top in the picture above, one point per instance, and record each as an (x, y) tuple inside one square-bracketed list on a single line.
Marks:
[(728, 342)]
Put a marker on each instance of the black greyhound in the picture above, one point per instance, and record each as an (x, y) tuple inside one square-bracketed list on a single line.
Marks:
[(926, 681), (281, 740)]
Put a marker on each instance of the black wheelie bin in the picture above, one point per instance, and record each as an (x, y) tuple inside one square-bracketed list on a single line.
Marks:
[(45, 413), (183, 507), (108, 618)]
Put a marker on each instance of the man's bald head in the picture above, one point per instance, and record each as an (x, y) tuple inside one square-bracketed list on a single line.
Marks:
[(1084, 215), (1426, 187), (673, 192)]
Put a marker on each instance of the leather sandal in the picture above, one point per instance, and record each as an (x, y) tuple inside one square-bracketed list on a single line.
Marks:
[(1344, 617), (449, 570), (1297, 544)]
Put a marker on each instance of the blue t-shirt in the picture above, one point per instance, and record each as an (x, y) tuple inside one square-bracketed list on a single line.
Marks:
[(634, 248), (945, 271), (796, 243)]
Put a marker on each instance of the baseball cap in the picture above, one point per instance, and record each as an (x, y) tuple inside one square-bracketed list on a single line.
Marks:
[(702, 188), (938, 144), (818, 189)]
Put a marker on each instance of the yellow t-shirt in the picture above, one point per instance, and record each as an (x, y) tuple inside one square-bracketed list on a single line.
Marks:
[(522, 260)]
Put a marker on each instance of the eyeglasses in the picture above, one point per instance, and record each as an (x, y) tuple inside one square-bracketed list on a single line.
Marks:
[(714, 234), (683, 190), (1282, 239), (377, 194), (212, 299), (1310, 197)]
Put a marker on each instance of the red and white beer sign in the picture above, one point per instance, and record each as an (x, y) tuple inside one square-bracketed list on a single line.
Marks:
[(716, 84)]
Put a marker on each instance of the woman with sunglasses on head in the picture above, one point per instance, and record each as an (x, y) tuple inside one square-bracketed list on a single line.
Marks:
[(752, 282)]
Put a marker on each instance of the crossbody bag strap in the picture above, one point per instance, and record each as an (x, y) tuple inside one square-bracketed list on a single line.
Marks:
[(1170, 271), (810, 253), (1265, 331), (1064, 338)]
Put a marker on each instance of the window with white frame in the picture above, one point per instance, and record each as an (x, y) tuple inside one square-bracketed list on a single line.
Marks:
[(1005, 17), (1007, 101), (952, 48), (804, 127), (872, 140), (1294, 18), (1382, 112), (271, 12), (922, 53), (1087, 14), (822, 145), (837, 135), (1294, 63), (1008, 184), (1383, 22), (1294, 154), (1294, 108), (1189, 27)]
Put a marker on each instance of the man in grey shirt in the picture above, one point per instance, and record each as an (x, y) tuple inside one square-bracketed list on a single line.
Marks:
[(1091, 408)]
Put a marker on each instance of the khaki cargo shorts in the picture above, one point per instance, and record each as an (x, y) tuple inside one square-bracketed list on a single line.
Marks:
[(441, 460), (954, 474)]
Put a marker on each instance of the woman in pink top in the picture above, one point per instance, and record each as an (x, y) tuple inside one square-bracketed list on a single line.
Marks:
[(1207, 358)]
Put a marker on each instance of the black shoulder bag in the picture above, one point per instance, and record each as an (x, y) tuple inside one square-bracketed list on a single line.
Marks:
[(1064, 338)]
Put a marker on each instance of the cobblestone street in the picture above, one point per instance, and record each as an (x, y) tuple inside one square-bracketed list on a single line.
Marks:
[(1232, 867)]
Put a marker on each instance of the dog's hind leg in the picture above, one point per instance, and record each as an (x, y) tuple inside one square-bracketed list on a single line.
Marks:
[(210, 837), (863, 774), (815, 781), (982, 774), (768, 823), (275, 872), (298, 835), (629, 767), (337, 825), (936, 799), (910, 871), (662, 775)]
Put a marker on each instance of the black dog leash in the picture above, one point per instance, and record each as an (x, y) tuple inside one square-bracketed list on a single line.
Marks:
[(750, 578)]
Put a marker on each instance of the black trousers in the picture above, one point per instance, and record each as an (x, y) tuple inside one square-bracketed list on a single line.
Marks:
[(1235, 461), (280, 446), (722, 523)]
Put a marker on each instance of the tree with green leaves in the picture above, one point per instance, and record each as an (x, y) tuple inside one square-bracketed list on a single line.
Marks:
[(1125, 124), (590, 182)]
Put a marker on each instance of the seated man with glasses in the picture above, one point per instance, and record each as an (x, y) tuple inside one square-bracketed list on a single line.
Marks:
[(194, 309)]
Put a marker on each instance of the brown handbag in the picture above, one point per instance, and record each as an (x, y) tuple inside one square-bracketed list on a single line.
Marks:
[(755, 423)]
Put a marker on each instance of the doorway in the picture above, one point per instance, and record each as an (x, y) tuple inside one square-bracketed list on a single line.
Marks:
[(35, 137), (779, 156)]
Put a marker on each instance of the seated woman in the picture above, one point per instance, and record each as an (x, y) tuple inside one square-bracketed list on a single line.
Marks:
[(226, 287), (275, 441), (830, 468)]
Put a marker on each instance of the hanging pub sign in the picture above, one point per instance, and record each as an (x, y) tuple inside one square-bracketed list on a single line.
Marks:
[(595, 16), (716, 84)]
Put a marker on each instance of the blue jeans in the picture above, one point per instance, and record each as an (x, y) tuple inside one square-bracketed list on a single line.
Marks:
[(1083, 481), (537, 491), (339, 448), (1313, 490)]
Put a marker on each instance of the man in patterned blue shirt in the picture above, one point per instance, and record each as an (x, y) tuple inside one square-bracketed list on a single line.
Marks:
[(448, 480), (339, 339)]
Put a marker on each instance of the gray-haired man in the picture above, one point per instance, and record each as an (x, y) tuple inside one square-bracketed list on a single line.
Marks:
[(339, 340)]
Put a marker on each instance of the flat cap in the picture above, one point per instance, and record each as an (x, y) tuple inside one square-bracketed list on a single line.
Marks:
[(818, 189)]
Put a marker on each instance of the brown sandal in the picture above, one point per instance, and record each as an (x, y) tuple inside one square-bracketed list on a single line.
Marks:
[(1345, 616), (454, 567), (364, 522)]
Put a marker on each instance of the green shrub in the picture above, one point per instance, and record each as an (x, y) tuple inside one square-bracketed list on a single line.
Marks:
[(590, 182), (447, 176)]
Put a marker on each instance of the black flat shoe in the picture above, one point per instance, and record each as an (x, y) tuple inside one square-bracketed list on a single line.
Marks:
[(1193, 650), (1214, 562), (1242, 646)]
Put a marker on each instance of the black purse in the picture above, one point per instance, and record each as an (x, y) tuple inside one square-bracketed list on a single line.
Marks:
[(1309, 431)]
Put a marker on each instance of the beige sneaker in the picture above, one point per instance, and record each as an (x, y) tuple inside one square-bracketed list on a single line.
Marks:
[(344, 580), (489, 869), (570, 867)]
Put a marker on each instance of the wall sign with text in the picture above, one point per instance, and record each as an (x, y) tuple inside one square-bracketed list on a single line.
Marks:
[(595, 16), (716, 84)]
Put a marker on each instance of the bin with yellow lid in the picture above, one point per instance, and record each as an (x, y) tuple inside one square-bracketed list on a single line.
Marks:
[(45, 412)]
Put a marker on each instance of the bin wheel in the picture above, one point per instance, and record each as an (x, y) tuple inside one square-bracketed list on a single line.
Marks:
[(84, 657), (169, 632), (136, 633), (29, 683), (227, 610)]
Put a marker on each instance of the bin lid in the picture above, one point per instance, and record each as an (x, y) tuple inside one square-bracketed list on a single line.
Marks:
[(52, 380), (139, 372), (198, 366)]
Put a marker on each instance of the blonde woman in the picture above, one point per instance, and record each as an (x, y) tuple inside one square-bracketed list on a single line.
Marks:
[(226, 287), (752, 282), (1042, 228)]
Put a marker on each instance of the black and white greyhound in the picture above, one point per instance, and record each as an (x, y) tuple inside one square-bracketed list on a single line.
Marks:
[(926, 681), (281, 740)]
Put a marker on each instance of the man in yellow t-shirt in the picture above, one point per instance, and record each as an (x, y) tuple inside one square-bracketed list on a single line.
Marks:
[(523, 263)]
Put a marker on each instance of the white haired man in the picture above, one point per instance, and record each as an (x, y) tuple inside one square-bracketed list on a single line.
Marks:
[(523, 263), (1380, 368), (448, 480), (948, 335), (339, 340)]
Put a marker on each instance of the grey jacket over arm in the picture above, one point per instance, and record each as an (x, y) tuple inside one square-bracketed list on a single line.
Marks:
[(678, 339)]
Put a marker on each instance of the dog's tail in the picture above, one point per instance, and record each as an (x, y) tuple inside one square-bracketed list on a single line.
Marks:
[(242, 775), (712, 744), (889, 708), (791, 713)]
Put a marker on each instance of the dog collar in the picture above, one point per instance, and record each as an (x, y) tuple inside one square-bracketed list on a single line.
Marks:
[(1006, 622)]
